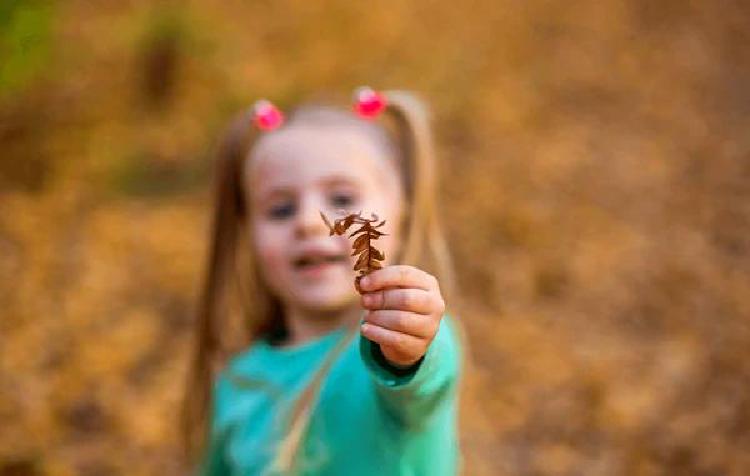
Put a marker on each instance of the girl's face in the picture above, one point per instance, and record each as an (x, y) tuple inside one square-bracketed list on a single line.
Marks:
[(293, 174)]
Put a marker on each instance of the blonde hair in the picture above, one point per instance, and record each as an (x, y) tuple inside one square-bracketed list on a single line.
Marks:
[(229, 268)]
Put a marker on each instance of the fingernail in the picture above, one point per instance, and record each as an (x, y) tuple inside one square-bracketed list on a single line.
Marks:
[(365, 327), (367, 299), (364, 282)]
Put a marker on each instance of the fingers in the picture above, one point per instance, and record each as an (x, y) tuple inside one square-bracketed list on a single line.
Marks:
[(413, 300), (410, 323), (398, 275), (407, 347)]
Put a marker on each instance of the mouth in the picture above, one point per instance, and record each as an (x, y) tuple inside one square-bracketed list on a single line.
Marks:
[(311, 262)]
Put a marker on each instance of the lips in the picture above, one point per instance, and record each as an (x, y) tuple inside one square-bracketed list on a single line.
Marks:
[(315, 259)]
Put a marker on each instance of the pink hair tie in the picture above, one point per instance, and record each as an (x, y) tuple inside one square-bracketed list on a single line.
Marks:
[(368, 103), (267, 116)]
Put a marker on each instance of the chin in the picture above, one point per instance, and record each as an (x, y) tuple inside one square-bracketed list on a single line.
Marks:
[(325, 302)]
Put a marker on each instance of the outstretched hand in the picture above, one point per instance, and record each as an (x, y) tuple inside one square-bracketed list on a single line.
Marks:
[(404, 311)]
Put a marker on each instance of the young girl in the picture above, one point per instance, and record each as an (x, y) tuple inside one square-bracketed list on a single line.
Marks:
[(331, 382)]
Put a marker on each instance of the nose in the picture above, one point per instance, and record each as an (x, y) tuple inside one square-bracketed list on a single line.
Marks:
[(309, 222)]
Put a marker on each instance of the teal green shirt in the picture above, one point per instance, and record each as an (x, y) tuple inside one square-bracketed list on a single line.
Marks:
[(370, 419)]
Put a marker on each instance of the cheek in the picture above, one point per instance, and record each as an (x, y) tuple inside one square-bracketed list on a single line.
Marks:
[(270, 248)]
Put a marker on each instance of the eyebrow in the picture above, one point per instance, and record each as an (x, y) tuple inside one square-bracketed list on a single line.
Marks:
[(340, 179)]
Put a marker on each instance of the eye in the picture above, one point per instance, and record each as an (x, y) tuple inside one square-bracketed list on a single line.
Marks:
[(281, 211), (342, 200)]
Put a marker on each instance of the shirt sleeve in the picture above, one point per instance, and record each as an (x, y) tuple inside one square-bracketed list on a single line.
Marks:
[(412, 395)]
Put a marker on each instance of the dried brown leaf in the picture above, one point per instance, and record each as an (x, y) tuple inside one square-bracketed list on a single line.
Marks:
[(369, 256)]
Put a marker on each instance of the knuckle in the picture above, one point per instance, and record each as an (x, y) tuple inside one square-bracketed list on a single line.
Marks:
[(407, 299), (384, 299), (401, 321), (423, 301)]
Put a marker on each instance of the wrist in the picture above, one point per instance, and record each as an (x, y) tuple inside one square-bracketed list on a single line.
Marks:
[(394, 368), (403, 366)]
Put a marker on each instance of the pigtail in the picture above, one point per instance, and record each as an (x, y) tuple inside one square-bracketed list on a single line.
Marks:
[(228, 216), (424, 243)]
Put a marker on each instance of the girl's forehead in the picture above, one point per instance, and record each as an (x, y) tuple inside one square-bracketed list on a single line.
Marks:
[(299, 156)]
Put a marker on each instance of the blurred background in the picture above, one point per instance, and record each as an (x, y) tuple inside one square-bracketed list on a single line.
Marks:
[(596, 192)]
